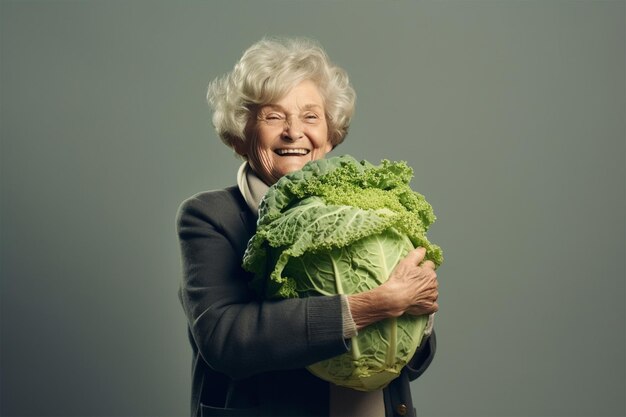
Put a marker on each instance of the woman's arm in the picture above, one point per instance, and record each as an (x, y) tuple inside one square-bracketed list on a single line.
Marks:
[(237, 334), (411, 288)]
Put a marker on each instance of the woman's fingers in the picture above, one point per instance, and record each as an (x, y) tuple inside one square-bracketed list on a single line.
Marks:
[(428, 264), (413, 284), (427, 308), (416, 256)]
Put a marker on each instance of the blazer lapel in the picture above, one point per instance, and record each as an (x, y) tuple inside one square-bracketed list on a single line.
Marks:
[(243, 225), (249, 220)]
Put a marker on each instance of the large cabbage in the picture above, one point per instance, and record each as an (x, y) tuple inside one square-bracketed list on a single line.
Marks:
[(339, 226)]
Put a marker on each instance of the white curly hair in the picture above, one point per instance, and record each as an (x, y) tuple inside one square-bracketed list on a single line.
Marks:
[(265, 73)]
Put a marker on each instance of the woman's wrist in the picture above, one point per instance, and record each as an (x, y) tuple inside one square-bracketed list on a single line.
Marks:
[(349, 325), (373, 306)]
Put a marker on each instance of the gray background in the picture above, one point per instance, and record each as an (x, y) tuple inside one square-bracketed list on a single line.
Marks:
[(511, 113)]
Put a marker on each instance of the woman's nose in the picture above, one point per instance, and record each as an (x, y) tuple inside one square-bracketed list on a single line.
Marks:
[(294, 129)]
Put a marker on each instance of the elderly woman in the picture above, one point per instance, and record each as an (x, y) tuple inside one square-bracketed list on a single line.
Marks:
[(283, 104)]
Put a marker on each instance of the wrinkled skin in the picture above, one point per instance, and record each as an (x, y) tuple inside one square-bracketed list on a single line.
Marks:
[(411, 288), (295, 123)]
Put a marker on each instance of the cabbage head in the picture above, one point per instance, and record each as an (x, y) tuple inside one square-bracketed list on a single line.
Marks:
[(339, 226)]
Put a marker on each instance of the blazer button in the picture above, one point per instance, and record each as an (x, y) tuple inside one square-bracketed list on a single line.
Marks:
[(402, 409)]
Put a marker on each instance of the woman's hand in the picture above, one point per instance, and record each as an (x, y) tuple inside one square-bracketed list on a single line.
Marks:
[(411, 288)]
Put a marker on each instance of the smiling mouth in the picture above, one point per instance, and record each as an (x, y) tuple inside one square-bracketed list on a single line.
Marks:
[(292, 152)]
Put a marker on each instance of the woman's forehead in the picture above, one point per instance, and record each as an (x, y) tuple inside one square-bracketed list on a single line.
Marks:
[(279, 107), (304, 95)]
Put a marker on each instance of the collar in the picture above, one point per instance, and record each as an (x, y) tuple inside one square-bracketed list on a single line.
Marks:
[(251, 187)]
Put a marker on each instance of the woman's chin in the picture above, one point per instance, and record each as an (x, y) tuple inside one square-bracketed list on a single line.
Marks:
[(294, 165)]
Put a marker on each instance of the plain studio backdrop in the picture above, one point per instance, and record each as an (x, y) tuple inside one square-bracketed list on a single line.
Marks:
[(512, 114)]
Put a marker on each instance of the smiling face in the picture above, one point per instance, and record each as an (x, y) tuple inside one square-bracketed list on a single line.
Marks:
[(287, 134)]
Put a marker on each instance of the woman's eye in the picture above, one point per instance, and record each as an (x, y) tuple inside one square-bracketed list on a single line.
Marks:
[(273, 118), (311, 117)]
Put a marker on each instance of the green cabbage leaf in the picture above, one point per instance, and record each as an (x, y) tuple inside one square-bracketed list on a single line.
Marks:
[(340, 226)]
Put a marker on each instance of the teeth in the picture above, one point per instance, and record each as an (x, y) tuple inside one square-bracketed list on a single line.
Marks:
[(292, 151)]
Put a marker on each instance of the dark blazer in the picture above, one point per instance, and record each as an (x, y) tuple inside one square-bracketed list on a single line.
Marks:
[(249, 354)]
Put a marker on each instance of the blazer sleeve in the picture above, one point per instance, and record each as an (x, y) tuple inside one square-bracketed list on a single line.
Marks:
[(236, 333), (423, 357)]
